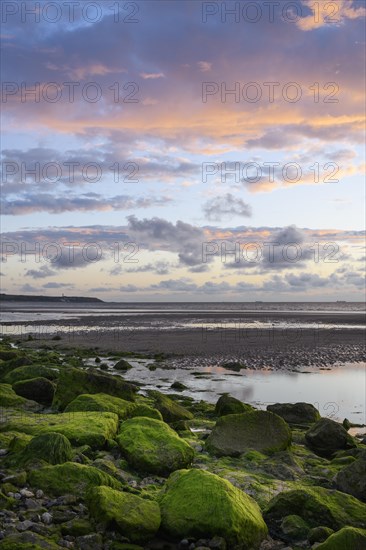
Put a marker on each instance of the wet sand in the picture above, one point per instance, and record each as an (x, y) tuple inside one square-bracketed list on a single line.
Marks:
[(267, 346)]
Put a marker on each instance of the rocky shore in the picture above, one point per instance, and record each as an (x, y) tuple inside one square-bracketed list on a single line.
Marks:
[(90, 460)]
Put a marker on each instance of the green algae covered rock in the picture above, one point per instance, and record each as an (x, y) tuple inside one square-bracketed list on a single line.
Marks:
[(151, 446), (80, 428), (294, 527), (32, 371), (69, 477), (99, 402), (38, 389), (9, 399), (73, 382), (170, 410), (326, 437), (28, 541), (352, 478), (122, 365), (236, 434), (76, 527), (14, 441), (140, 409), (52, 447), (319, 534), (138, 519), (230, 405), (347, 538), (196, 503), (317, 506), (296, 413)]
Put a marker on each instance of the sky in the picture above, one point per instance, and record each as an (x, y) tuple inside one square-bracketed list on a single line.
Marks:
[(184, 150)]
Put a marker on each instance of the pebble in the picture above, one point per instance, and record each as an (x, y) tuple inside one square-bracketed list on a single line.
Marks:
[(31, 504), (3, 452), (39, 493), (184, 544), (18, 496), (26, 493), (46, 518)]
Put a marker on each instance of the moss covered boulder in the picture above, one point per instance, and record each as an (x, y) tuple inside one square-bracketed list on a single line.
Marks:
[(151, 446), (51, 447), (32, 371), (38, 389), (294, 528), (28, 541), (9, 399), (122, 365), (236, 434), (138, 519), (352, 478), (170, 410), (348, 538), (296, 413), (140, 409), (99, 402), (69, 478), (326, 437), (318, 507), (73, 382), (196, 503), (80, 428), (230, 405)]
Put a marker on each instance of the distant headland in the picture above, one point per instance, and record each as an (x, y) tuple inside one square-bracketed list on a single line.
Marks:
[(33, 298)]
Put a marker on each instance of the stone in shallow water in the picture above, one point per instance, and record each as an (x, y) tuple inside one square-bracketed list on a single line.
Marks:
[(196, 503), (230, 405), (236, 434)]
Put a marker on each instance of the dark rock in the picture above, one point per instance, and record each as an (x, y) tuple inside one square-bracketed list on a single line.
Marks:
[(38, 389), (352, 479), (326, 437), (230, 405), (296, 413)]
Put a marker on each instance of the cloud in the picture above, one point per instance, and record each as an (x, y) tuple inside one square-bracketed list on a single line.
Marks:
[(152, 76), (325, 13), (57, 285), (226, 206), (204, 66), (41, 273), (87, 202)]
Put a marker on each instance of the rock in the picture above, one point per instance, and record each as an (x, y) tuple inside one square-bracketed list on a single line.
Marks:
[(140, 409), (80, 428), (47, 518), (151, 446), (27, 541), (319, 534), (25, 525), (73, 382), (318, 507), (236, 434), (8, 398), (99, 402), (122, 365), (51, 447), (294, 528), (70, 477), (137, 518), (94, 541), (76, 527), (352, 478), (39, 389), (32, 371), (200, 504), (26, 493), (326, 437), (347, 538), (39, 493), (217, 543), (31, 504), (170, 410), (296, 413), (346, 424), (230, 405), (178, 386)]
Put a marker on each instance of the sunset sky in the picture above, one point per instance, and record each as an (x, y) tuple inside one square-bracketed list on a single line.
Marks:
[(168, 125)]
